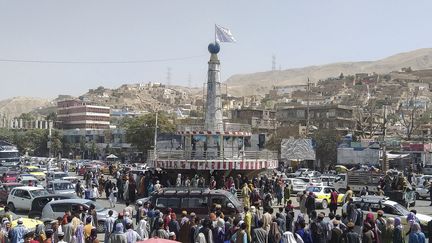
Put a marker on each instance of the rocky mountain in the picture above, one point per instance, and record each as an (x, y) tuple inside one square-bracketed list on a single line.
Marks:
[(13, 107), (261, 82)]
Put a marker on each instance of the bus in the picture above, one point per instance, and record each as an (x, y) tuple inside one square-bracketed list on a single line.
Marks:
[(9, 154)]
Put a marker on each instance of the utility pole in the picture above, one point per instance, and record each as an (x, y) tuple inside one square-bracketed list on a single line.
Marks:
[(385, 165), (274, 62), (168, 76), (155, 137), (307, 108)]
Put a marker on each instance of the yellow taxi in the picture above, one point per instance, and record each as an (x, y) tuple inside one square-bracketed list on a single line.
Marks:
[(322, 195), (35, 171), (27, 222)]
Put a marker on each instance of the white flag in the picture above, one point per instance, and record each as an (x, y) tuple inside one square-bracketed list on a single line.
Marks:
[(223, 35)]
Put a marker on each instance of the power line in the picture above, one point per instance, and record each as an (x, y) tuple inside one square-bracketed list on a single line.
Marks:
[(100, 62)]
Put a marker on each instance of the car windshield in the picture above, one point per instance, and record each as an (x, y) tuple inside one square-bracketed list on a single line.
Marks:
[(60, 175), (233, 199), (63, 186), (401, 209), (98, 207), (35, 170), (40, 192), (298, 183), (313, 189)]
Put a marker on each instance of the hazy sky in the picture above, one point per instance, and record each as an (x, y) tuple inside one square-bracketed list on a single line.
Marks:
[(299, 33)]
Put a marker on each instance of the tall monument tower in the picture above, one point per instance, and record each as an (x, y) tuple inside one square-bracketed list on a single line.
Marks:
[(213, 115)]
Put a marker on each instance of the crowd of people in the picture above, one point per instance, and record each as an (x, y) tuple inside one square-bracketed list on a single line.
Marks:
[(268, 217)]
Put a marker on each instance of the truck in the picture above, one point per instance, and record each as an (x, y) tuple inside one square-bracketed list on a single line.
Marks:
[(356, 180)]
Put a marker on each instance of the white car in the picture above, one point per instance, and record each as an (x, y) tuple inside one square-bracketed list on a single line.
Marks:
[(296, 185), (422, 192), (310, 181), (22, 197), (57, 175), (391, 209)]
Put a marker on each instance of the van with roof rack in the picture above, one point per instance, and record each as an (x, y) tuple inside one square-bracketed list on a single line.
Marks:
[(198, 200)]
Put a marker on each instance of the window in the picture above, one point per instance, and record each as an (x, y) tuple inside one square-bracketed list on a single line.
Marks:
[(219, 200), (327, 190), (300, 114), (164, 202), (25, 194), (60, 207), (17, 193), (195, 202), (76, 207), (313, 189), (389, 210)]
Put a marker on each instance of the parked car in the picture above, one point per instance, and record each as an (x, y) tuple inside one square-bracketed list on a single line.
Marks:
[(10, 176), (322, 195), (56, 175), (196, 200), (60, 187), (28, 223), (29, 180), (391, 209), (311, 181), (422, 192), (85, 168), (72, 179), (5, 189), (39, 203), (296, 185), (57, 208), (22, 197), (35, 171), (427, 170)]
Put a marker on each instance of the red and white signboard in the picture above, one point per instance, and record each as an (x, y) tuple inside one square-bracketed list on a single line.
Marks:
[(214, 164)]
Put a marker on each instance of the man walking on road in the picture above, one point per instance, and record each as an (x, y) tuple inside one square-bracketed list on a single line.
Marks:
[(17, 234)]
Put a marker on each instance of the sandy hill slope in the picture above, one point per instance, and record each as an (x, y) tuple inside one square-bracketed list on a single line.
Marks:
[(241, 84), (13, 107)]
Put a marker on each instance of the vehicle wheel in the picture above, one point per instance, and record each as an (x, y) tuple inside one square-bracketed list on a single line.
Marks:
[(100, 227), (11, 207), (413, 204), (324, 204)]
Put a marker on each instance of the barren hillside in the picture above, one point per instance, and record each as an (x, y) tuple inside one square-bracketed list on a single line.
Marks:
[(242, 84), (13, 107)]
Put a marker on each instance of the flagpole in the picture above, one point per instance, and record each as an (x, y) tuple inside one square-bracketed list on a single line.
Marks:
[(215, 33)]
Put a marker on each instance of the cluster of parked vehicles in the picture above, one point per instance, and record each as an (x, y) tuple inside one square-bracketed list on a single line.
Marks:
[(42, 188)]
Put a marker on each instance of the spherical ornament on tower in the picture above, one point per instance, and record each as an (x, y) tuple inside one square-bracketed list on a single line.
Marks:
[(214, 48)]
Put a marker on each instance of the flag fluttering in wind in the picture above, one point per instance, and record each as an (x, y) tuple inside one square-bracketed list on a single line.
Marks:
[(223, 34)]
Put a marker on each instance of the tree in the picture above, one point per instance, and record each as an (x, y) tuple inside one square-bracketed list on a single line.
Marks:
[(7, 135), (326, 146), (367, 120), (411, 116), (140, 130), (56, 143), (94, 150), (26, 117)]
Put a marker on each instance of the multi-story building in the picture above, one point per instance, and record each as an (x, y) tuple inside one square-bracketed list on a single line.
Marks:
[(336, 117), (75, 114), (259, 119)]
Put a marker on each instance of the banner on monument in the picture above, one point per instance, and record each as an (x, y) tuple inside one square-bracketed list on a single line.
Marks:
[(297, 149)]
